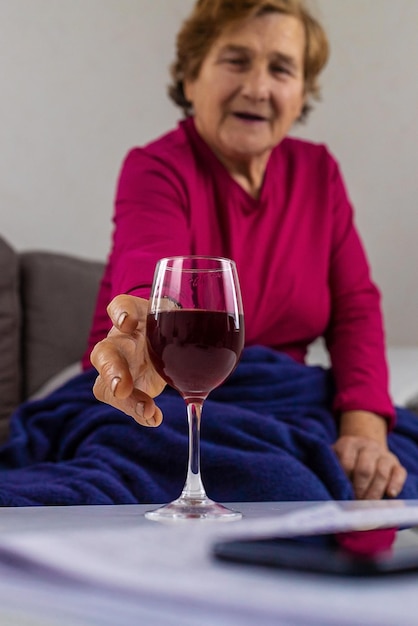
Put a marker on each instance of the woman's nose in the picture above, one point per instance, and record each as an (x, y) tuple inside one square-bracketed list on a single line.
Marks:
[(256, 84)]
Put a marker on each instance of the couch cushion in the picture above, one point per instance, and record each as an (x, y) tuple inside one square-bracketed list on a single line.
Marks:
[(10, 372), (58, 297)]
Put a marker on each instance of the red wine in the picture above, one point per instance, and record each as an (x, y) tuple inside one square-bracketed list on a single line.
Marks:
[(194, 350)]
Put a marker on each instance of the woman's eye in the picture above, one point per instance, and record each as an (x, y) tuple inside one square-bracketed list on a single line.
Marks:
[(280, 69), (236, 62)]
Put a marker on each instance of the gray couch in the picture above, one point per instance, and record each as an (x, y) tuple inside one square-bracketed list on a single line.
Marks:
[(46, 306)]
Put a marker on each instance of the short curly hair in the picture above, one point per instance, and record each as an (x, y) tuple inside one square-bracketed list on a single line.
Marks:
[(210, 17)]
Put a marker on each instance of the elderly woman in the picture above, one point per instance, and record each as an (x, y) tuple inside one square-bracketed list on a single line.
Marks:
[(229, 181)]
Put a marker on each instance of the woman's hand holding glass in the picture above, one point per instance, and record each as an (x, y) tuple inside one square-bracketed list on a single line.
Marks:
[(127, 379), (193, 328)]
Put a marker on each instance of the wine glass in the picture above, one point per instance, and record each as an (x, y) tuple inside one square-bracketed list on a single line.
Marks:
[(195, 336)]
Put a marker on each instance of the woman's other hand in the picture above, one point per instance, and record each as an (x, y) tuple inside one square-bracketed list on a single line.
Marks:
[(127, 379), (363, 452)]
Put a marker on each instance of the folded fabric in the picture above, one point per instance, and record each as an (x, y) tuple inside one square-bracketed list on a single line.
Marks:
[(266, 434)]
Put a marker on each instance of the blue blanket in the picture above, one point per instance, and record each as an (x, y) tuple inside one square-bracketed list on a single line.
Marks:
[(266, 435)]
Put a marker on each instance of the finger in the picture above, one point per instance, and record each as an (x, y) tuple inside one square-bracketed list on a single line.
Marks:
[(113, 369), (126, 311), (380, 479), (137, 405), (364, 472), (347, 454), (396, 481)]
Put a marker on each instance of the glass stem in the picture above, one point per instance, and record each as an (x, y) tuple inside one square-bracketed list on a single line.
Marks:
[(193, 489)]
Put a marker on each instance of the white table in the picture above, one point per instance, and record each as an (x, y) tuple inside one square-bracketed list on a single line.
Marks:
[(108, 565)]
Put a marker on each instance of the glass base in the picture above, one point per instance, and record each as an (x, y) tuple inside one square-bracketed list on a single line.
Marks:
[(184, 509)]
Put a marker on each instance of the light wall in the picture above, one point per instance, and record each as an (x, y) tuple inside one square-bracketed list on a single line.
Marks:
[(84, 80), (369, 119), (81, 81)]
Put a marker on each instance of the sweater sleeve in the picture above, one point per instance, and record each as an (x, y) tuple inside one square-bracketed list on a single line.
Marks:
[(355, 335), (150, 219), (150, 222)]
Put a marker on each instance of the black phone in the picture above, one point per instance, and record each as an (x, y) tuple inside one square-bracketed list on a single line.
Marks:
[(357, 553)]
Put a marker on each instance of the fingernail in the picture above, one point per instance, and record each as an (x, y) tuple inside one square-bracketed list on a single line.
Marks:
[(122, 317), (114, 384)]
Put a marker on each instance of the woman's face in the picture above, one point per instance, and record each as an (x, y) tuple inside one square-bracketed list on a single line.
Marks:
[(250, 88)]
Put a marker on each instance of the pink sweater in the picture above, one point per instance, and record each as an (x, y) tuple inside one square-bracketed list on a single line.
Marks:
[(301, 264)]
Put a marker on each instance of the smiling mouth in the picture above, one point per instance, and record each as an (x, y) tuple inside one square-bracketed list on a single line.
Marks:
[(249, 117)]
